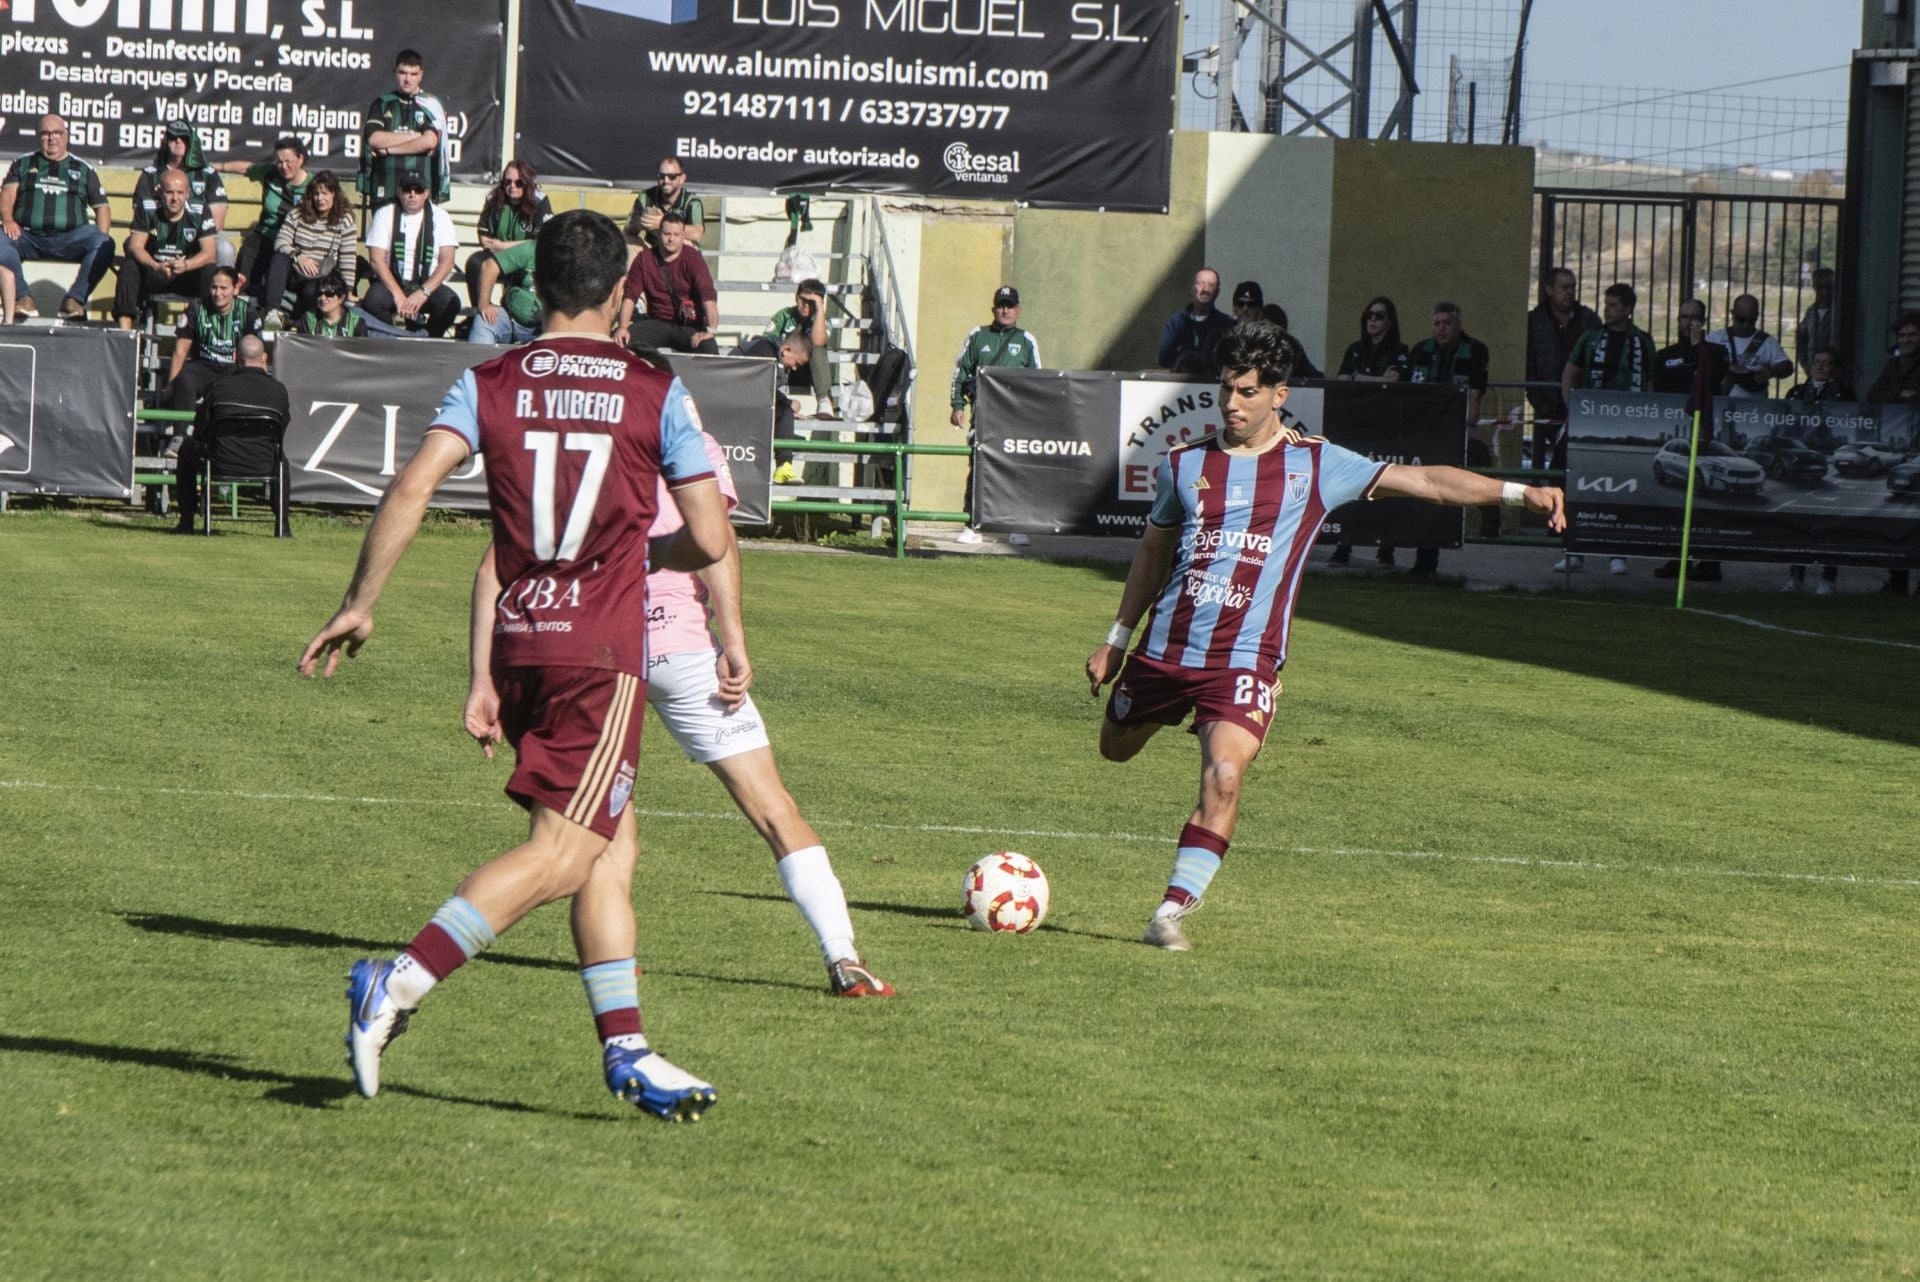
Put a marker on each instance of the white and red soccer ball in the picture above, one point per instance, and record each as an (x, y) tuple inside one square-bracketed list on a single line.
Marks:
[(1004, 892)]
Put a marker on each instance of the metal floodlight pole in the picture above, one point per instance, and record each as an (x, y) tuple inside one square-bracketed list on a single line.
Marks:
[(1229, 60), (1359, 120)]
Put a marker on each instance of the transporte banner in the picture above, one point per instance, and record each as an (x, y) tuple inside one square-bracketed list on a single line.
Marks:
[(1019, 100), (1834, 482), (1076, 451), (245, 72), (361, 405)]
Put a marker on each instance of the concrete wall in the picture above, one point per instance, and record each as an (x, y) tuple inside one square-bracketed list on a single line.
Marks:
[(1270, 207)]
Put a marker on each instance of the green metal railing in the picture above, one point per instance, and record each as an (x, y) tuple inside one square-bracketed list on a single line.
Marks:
[(896, 511)]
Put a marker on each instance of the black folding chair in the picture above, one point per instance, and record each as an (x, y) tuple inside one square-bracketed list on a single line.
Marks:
[(246, 450)]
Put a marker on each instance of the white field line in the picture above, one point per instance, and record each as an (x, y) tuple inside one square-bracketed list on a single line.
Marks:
[(1049, 834), (1740, 619)]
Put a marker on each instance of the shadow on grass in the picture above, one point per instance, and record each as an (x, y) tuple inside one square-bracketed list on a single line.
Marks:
[(288, 1088), (898, 910), (297, 937)]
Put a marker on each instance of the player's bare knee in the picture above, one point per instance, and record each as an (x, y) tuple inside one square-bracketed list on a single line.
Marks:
[(1220, 780)]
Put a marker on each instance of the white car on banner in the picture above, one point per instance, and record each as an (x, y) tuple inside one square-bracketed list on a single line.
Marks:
[(1721, 468)]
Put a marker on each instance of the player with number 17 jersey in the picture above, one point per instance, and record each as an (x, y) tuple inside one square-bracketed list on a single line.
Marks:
[(577, 435)]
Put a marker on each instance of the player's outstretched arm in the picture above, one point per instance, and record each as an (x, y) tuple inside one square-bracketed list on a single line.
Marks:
[(1461, 488), (482, 714), (394, 525), (723, 593), (704, 538), (1152, 560)]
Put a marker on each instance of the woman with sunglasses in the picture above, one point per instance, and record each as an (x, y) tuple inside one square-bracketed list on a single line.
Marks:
[(331, 317), (513, 212), (1379, 357), (319, 239)]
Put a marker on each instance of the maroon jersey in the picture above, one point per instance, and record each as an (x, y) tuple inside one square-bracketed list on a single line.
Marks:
[(577, 435)]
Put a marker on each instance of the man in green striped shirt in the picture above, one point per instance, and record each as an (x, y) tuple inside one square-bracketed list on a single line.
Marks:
[(52, 207)]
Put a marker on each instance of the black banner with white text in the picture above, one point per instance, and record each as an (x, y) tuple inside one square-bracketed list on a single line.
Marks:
[(1023, 100), (1076, 451), (67, 411)]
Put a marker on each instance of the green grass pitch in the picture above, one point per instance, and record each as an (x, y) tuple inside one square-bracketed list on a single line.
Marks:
[(1561, 938)]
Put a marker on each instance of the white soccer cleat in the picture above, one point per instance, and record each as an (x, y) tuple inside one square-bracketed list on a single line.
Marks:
[(374, 1019), (646, 1080), (1165, 930)]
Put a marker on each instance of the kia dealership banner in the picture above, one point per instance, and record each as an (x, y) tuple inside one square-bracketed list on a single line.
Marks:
[(1030, 100), (360, 406), (67, 411), (244, 72), (1076, 451), (1774, 480)]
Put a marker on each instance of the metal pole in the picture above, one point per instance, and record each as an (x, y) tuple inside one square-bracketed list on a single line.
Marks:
[(1359, 123), (1229, 59)]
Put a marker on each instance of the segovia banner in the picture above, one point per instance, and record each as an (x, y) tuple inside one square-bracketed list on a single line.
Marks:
[(243, 73), (1043, 101)]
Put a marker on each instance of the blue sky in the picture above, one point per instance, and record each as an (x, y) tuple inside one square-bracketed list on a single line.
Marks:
[(1695, 44)]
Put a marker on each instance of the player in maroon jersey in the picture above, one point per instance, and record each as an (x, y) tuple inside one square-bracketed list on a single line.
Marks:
[(577, 434), (1220, 563)]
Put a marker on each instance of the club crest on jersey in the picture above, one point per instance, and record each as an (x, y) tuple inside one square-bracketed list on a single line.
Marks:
[(622, 789), (1122, 701), (1237, 497), (1298, 484)]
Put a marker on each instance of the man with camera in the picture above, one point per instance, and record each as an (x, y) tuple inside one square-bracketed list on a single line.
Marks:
[(673, 291)]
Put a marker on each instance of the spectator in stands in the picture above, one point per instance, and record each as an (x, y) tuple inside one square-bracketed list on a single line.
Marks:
[(1617, 357), (208, 340), (1552, 329), (1378, 357), (283, 180), (411, 245), (511, 216), (808, 316), (318, 241), (1302, 367), (1249, 301), (180, 150), (1755, 357), (1899, 384), (1186, 342), (1001, 344), (169, 250), (1450, 356), (1816, 324), (516, 318), (793, 351), (331, 317), (1826, 379), (1675, 371), (45, 201), (246, 391), (667, 196), (402, 135), (670, 282)]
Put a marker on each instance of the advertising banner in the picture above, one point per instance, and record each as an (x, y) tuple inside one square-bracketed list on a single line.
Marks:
[(1058, 104), (1076, 451), (245, 72), (1778, 480), (360, 406), (67, 411)]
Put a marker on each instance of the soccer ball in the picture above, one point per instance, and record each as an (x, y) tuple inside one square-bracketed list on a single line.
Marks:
[(1004, 892)]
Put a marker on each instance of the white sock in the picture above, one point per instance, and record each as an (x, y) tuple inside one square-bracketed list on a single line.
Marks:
[(815, 891), (410, 981)]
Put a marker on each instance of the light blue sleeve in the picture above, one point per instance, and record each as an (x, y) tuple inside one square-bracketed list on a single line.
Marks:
[(683, 450), (460, 411), (1346, 476), (1167, 512)]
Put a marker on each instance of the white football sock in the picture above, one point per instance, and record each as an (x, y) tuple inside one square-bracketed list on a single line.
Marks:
[(409, 982), (815, 891)]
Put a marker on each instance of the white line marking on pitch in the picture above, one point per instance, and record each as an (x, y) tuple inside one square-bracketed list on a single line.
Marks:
[(1730, 618), (1051, 834)]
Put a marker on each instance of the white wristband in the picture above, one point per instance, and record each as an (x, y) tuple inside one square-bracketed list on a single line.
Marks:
[(1513, 494), (1119, 634)]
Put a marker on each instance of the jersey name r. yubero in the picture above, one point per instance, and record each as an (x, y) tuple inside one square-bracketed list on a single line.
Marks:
[(577, 435), (1246, 521)]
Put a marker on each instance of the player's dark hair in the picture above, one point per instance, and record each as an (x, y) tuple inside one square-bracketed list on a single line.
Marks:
[(233, 277), (811, 285), (409, 58), (578, 257), (292, 144), (1259, 346), (1622, 292)]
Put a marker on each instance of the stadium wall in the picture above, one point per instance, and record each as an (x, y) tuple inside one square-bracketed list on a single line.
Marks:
[(1270, 218)]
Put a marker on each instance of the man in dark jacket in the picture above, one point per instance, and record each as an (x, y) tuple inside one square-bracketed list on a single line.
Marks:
[(1552, 330), (248, 392)]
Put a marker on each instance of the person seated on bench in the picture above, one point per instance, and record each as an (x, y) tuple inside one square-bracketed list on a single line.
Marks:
[(44, 203), (209, 335), (331, 317), (247, 392), (671, 287), (169, 251)]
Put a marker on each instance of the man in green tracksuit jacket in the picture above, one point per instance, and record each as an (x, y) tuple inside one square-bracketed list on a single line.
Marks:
[(1003, 344)]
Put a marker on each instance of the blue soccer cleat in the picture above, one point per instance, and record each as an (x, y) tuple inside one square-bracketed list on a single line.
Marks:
[(373, 1020), (645, 1079)]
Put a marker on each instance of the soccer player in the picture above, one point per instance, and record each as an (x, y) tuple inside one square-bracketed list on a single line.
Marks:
[(698, 685), (577, 435), (1226, 542)]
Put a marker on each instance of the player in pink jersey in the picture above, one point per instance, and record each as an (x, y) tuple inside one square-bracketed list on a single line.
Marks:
[(578, 436), (1220, 564), (697, 684)]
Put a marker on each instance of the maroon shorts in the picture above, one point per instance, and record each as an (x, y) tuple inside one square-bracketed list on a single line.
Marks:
[(576, 732), (1149, 691)]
